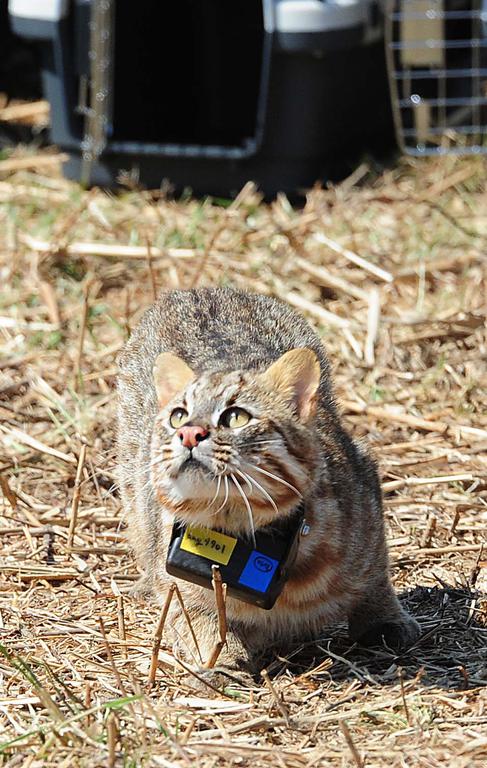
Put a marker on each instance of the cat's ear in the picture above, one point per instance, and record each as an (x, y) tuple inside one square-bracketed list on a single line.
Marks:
[(171, 375), (296, 377)]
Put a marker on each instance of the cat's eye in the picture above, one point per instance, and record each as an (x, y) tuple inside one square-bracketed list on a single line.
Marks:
[(234, 418), (178, 417)]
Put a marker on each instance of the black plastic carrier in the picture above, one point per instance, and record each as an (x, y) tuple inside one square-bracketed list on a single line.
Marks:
[(210, 93)]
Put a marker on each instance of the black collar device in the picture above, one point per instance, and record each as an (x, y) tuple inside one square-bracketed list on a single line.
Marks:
[(254, 574)]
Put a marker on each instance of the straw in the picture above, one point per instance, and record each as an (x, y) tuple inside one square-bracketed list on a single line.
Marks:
[(411, 383)]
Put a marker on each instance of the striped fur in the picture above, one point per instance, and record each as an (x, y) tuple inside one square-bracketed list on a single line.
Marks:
[(223, 345)]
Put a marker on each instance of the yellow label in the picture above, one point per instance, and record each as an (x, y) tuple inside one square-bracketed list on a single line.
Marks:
[(210, 544)]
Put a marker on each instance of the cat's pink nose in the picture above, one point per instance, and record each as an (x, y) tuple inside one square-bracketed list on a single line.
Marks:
[(191, 436)]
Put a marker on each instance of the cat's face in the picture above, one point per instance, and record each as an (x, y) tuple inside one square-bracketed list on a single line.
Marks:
[(233, 448)]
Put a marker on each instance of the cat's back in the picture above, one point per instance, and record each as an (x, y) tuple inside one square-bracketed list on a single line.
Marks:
[(218, 329)]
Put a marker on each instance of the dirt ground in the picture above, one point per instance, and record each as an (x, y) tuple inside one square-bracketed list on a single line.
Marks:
[(391, 269)]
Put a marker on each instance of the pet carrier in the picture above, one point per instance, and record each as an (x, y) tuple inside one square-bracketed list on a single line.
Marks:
[(19, 65), (209, 94), (437, 62)]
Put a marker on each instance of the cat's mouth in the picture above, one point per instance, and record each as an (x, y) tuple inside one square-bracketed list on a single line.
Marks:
[(192, 464)]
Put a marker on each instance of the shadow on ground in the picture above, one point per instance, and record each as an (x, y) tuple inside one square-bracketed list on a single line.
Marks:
[(451, 653)]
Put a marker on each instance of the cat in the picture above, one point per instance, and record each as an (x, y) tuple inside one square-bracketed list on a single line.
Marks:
[(227, 420)]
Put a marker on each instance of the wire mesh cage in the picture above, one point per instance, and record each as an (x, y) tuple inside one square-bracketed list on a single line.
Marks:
[(437, 65)]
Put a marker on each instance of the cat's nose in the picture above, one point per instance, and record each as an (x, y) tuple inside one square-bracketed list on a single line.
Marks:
[(190, 436)]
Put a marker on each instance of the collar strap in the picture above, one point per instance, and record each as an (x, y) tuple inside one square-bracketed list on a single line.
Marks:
[(288, 525)]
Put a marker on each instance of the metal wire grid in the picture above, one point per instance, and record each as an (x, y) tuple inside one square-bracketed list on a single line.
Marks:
[(98, 112), (437, 63)]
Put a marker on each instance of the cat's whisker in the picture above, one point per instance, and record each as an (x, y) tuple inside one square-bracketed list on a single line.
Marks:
[(247, 504), (136, 474), (245, 477), (137, 477), (226, 496), (275, 477), (161, 460), (145, 488), (263, 445), (164, 449), (218, 485), (260, 488), (271, 445)]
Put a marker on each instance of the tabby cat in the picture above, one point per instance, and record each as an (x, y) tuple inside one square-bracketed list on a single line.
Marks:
[(227, 420)]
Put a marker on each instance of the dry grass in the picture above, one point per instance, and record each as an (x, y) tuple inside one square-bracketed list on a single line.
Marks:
[(393, 274)]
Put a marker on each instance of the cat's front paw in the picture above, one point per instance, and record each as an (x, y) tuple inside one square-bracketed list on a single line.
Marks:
[(220, 677), (399, 635), (143, 589)]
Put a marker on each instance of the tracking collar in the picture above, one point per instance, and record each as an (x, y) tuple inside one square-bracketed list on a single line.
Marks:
[(254, 574)]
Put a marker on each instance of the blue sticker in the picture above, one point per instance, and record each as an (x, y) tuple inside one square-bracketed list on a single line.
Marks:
[(258, 572)]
